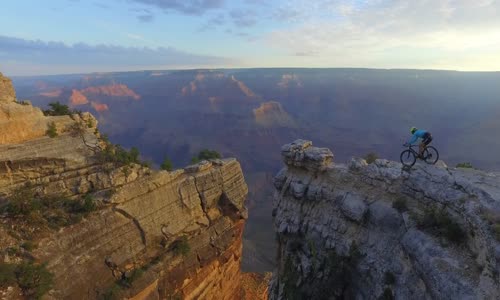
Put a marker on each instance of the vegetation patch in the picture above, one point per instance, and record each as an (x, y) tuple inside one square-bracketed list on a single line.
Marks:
[(464, 165), (371, 157), (51, 130), (206, 154), (181, 246), (58, 109), (54, 212), (7, 274), (400, 205), (34, 279), (440, 224), (166, 165)]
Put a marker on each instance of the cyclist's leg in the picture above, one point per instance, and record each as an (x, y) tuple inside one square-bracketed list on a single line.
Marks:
[(421, 148), (425, 142)]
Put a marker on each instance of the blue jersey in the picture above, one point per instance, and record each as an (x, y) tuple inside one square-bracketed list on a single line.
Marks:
[(419, 134)]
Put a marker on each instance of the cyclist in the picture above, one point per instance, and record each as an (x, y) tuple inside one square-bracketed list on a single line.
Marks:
[(420, 134)]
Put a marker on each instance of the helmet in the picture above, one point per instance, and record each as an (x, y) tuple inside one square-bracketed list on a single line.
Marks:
[(413, 129)]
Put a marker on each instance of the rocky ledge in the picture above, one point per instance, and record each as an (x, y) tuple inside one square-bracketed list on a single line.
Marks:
[(378, 231)]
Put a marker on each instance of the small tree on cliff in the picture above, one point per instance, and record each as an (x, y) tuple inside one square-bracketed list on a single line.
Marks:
[(57, 109), (166, 165), (206, 154)]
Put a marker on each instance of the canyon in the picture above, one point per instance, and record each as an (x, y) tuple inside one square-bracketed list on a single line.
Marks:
[(251, 113), (144, 233)]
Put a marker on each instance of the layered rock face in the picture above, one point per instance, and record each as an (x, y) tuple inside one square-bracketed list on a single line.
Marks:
[(378, 231), (181, 230), (271, 114)]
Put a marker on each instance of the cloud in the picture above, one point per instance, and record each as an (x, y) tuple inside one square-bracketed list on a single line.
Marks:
[(214, 22), (384, 33), (99, 57), (243, 18), (145, 18), (190, 7)]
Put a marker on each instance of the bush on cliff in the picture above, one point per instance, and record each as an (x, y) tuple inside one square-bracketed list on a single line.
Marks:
[(206, 154), (166, 165), (465, 165), (51, 130), (7, 274), (57, 109), (400, 205), (34, 280), (181, 246), (439, 223), (55, 212), (371, 157)]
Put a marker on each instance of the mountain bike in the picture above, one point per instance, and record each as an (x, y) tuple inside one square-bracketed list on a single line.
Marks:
[(409, 156)]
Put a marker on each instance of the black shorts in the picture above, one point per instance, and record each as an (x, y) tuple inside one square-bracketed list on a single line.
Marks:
[(427, 138)]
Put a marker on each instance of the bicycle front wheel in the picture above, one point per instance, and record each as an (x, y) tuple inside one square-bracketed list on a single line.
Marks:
[(408, 158), (431, 155)]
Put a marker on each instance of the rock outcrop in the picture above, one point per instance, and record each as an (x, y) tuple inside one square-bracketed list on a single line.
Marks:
[(7, 92), (379, 231), (154, 235)]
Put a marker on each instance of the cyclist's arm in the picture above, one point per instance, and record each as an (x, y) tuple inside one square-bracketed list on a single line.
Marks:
[(413, 139)]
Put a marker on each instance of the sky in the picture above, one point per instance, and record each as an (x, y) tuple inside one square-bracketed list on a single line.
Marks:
[(81, 36)]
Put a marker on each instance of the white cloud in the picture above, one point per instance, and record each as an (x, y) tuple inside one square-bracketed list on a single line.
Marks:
[(371, 32)]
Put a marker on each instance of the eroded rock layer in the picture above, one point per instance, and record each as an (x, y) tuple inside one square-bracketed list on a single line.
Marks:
[(379, 231)]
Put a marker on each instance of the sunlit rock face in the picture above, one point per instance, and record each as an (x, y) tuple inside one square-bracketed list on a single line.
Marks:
[(365, 231)]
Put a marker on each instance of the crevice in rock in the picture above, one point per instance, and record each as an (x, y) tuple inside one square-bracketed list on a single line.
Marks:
[(136, 222)]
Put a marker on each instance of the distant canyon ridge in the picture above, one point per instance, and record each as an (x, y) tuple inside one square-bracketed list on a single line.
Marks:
[(250, 113)]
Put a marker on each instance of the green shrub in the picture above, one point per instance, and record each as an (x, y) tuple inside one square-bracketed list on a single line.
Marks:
[(400, 205), (206, 154), (28, 246), (465, 165), (51, 130), (166, 165), (389, 278), (55, 212), (440, 223), (181, 246), (34, 280), (118, 155), (22, 203), (84, 206), (7, 274), (57, 109), (371, 157)]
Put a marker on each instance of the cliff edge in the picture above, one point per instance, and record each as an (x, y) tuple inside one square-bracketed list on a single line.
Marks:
[(81, 218), (376, 231)]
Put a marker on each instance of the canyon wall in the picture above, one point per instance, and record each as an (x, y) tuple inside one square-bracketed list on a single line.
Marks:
[(381, 231)]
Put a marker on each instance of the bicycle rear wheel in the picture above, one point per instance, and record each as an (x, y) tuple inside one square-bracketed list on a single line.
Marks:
[(431, 155), (408, 158)]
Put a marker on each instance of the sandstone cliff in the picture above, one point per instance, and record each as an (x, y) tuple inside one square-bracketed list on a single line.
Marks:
[(150, 234), (376, 231)]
